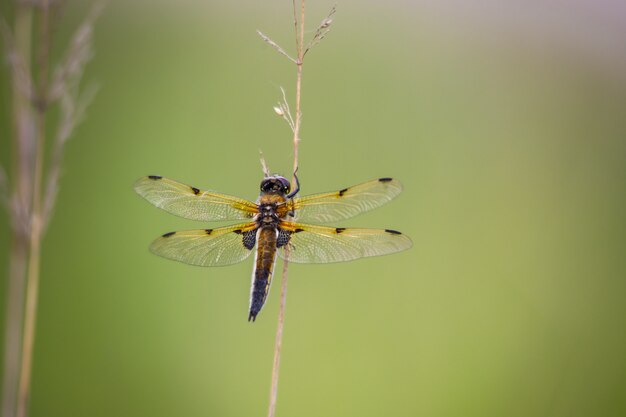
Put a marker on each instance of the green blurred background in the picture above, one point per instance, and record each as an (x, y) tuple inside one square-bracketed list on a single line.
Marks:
[(505, 120)]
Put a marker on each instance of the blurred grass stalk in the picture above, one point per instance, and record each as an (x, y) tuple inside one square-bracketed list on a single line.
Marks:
[(30, 203)]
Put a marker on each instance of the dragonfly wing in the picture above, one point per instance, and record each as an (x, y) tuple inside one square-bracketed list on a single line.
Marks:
[(192, 203), (346, 203), (319, 244), (208, 247)]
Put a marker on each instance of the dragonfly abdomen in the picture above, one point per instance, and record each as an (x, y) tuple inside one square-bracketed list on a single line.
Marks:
[(263, 269)]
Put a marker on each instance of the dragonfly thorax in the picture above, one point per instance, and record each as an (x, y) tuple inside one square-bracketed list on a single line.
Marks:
[(267, 215)]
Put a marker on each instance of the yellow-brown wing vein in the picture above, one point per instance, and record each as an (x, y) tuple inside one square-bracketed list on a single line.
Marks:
[(319, 244), (345, 203), (208, 247), (192, 203)]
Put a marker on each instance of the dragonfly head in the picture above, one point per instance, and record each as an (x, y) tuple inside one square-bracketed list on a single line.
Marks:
[(275, 185)]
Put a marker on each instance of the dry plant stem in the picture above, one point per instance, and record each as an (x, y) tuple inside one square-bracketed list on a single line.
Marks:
[(275, 45), (299, 28), (29, 204), (266, 168), (14, 312), (17, 205), (36, 227), (279, 339), (29, 320)]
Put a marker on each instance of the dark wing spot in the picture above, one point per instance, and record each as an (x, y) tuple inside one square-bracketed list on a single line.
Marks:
[(283, 238), (393, 232), (385, 179), (155, 177), (238, 231), (340, 229), (169, 234), (195, 190), (208, 231), (341, 192), (249, 239), (298, 230)]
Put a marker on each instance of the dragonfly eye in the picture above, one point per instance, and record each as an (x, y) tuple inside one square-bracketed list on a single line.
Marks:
[(283, 184), (275, 184)]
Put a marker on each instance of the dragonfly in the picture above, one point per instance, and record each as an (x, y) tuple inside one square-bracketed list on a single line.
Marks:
[(277, 224)]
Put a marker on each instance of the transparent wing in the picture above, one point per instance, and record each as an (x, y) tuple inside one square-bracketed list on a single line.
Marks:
[(346, 203), (192, 203), (208, 247), (319, 244)]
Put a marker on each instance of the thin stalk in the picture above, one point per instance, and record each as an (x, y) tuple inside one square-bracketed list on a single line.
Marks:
[(28, 340), (15, 316), (36, 227), (19, 202), (299, 28), (279, 339)]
